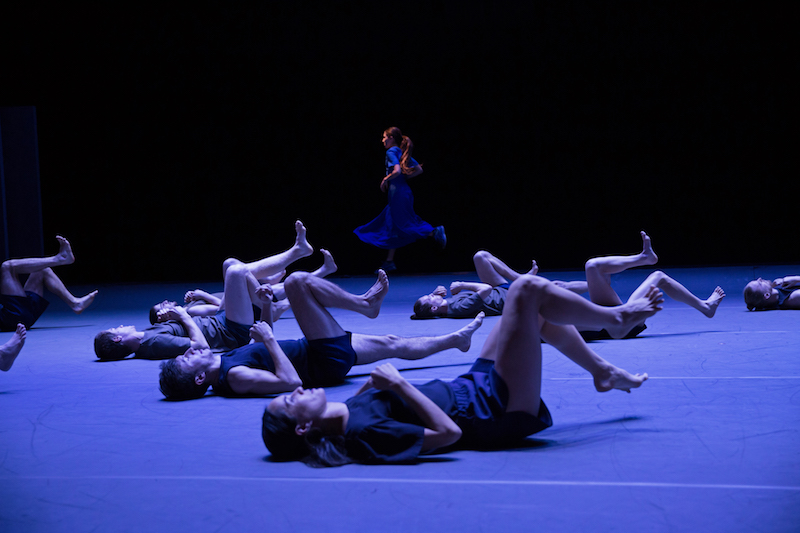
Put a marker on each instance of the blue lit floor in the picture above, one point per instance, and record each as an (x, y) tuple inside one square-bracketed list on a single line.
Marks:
[(710, 443)]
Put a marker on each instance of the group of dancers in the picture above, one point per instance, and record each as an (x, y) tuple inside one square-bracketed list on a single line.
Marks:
[(226, 342)]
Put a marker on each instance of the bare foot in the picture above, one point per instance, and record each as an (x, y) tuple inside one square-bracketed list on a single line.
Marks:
[(534, 268), (10, 350), (375, 295), (328, 264), (713, 302), (649, 256), (464, 335), (280, 307), (81, 304), (635, 312), (617, 378), (301, 241), (64, 254)]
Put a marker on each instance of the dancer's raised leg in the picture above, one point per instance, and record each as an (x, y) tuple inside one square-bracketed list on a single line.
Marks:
[(514, 344), (567, 340), (494, 271), (371, 348), (561, 306), (54, 284), (679, 293), (328, 265), (599, 271), (274, 264), (241, 288), (309, 297), (9, 281)]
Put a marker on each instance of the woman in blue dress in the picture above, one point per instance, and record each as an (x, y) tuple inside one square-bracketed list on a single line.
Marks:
[(398, 224), (496, 403)]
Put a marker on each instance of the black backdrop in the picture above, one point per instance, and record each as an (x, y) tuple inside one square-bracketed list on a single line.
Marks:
[(172, 138)]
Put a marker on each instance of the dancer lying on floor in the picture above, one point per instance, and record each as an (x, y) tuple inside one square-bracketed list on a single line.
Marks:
[(782, 293), (202, 303), (496, 403), (598, 285), (493, 272), (226, 330), (323, 357), (468, 297), (24, 304)]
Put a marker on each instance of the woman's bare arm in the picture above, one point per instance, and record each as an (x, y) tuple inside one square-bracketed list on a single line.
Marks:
[(440, 430)]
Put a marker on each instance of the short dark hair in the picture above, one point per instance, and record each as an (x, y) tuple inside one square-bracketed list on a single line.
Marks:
[(422, 309), (107, 349), (153, 315), (175, 384)]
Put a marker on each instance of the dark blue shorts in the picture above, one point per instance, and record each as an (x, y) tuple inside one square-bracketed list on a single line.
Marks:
[(23, 310), (240, 332), (482, 399), (329, 360)]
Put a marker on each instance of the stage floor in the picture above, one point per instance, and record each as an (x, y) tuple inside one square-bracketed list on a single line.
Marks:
[(710, 443)]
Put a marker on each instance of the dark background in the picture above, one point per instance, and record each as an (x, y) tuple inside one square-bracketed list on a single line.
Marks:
[(171, 138)]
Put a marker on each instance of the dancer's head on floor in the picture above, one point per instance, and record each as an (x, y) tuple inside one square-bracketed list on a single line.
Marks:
[(430, 306), (291, 430), (187, 376), (115, 343), (781, 293), (759, 295)]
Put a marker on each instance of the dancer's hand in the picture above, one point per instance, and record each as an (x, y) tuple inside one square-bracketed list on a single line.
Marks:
[(261, 332), (172, 313), (264, 293), (456, 287), (386, 377), (197, 295), (365, 387)]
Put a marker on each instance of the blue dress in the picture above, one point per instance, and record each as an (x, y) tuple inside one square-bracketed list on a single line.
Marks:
[(398, 224)]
